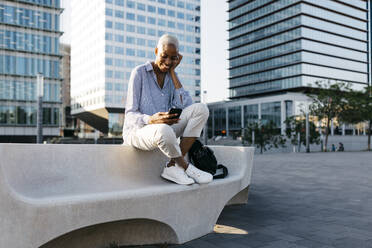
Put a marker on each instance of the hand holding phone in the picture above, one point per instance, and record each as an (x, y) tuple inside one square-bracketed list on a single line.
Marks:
[(174, 111)]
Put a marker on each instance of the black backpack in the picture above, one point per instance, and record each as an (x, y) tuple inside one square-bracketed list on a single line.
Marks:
[(203, 158)]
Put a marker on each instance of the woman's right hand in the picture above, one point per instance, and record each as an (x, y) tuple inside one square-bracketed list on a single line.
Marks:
[(163, 118)]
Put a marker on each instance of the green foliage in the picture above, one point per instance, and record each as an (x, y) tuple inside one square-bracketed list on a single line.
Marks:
[(266, 136), (328, 101), (358, 109), (297, 125)]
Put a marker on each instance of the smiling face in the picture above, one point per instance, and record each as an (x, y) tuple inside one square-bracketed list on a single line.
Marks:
[(166, 57)]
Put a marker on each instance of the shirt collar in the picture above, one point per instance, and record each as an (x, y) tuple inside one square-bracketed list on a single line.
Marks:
[(149, 66)]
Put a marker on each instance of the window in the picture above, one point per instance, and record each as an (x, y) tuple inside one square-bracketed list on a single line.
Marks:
[(171, 24), (141, 6), (180, 15), (108, 49), (119, 62), (109, 73), (130, 40), (119, 26), (180, 26), (141, 30), (161, 22), (108, 36), (141, 18), (108, 61), (130, 16), (172, 2), (180, 4), (161, 11), (171, 13), (271, 112), (108, 24), (119, 38), (130, 64), (141, 42), (119, 50), (190, 6), (150, 55), (151, 9), (131, 4), (119, 13), (119, 2), (141, 53), (119, 74), (189, 28), (189, 17), (151, 43), (161, 1), (189, 38), (108, 12), (131, 28), (151, 20), (119, 87), (130, 52), (151, 32), (108, 86)]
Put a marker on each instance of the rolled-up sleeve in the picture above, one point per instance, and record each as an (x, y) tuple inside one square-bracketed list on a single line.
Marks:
[(181, 98), (133, 117)]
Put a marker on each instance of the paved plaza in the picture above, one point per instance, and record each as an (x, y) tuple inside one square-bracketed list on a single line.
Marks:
[(317, 200)]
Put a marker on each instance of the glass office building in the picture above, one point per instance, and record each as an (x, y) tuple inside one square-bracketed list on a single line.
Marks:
[(29, 44), (278, 48), (286, 45), (111, 37)]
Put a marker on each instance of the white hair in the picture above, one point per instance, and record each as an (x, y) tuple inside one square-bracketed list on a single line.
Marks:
[(167, 39)]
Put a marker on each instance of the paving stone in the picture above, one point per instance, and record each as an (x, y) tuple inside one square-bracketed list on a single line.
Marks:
[(320, 200)]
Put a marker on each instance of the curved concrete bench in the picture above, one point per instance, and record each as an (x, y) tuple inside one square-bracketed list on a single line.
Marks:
[(92, 195)]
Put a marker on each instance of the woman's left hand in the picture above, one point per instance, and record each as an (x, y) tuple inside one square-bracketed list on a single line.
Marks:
[(176, 62)]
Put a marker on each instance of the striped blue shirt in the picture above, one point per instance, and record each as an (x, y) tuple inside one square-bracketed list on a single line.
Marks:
[(145, 97)]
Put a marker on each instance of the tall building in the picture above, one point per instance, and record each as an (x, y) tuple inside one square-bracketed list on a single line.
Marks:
[(29, 44), (289, 44), (110, 37), (279, 48), (68, 122)]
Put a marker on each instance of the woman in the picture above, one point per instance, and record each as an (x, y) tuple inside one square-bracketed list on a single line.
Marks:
[(153, 89)]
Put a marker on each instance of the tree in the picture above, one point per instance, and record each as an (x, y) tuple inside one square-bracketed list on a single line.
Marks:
[(359, 109), (297, 125), (328, 102), (266, 136)]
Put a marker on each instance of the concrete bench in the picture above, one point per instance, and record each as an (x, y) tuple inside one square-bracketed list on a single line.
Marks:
[(88, 196)]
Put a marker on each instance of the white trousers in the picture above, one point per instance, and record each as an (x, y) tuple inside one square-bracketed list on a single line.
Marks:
[(164, 136)]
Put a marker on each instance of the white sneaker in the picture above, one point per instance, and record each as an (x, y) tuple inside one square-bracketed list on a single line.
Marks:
[(198, 175), (176, 174)]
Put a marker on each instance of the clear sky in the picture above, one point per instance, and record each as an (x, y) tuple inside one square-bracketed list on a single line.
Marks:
[(213, 47)]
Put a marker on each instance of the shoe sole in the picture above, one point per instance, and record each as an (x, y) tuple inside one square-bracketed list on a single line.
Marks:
[(174, 180)]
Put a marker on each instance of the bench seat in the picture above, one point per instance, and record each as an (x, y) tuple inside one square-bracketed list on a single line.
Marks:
[(91, 195)]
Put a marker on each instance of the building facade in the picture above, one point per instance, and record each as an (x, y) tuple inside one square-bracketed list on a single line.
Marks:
[(279, 48), (111, 37), (68, 122), (289, 44), (29, 44)]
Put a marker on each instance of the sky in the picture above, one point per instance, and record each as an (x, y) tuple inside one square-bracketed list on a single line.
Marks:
[(213, 47)]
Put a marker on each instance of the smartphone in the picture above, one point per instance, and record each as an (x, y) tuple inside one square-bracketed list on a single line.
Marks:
[(177, 111)]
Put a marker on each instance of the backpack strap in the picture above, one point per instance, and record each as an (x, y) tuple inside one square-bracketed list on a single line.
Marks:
[(224, 173)]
